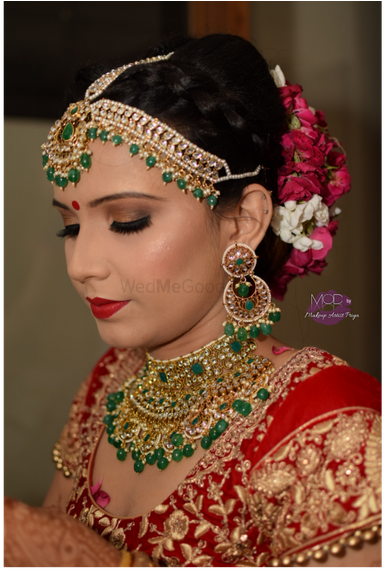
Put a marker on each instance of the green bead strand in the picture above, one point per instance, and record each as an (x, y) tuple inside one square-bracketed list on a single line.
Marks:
[(275, 317), (177, 455), (151, 458), (229, 329), (262, 394), (150, 161), (206, 442), (212, 201), (188, 450), (265, 329), (134, 149), (138, 466), (73, 175), (121, 455), (167, 177), (163, 463)]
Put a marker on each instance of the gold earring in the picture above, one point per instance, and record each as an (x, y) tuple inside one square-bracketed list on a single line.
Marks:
[(247, 298)]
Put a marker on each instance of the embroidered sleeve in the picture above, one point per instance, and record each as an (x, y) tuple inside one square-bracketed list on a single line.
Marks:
[(67, 451), (88, 408), (319, 488)]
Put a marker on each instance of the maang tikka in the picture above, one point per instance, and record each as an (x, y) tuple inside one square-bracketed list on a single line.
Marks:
[(247, 298)]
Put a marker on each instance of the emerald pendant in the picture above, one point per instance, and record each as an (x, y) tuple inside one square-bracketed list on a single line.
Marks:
[(151, 459), (177, 455), (275, 317), (206, 442), (73, 176), (229, 329), (265, 329), (68, 131), (150, 161), (133, 149), (138, 466), (121, 454), (85, 161), (197, 368), (262, 394), (163, 463), (236, 346), (243, 290), (188, 450), (212, 201)]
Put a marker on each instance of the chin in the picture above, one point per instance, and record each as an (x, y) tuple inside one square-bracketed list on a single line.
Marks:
[(119, 336)]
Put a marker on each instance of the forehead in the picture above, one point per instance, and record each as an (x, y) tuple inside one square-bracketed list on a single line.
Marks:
[(113, 170)]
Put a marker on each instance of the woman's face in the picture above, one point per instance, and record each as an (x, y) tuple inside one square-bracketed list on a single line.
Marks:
[(135, 240)]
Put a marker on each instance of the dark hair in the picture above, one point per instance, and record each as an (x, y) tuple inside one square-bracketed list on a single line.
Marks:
[(218, 92)]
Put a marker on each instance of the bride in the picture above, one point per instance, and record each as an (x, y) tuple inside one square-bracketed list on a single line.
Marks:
[(199, 439)]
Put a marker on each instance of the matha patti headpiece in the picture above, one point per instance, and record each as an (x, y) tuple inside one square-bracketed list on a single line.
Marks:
[(67, 154)]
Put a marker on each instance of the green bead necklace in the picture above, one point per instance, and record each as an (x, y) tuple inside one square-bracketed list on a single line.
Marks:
[(160, 414)]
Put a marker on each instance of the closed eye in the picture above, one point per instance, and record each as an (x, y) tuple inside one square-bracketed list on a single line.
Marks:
[(131, 227), (72, 230)]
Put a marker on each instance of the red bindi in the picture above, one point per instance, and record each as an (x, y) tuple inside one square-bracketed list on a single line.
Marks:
[(76, 205)]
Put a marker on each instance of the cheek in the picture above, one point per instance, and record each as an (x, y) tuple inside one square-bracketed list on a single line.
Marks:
[(178, 251)]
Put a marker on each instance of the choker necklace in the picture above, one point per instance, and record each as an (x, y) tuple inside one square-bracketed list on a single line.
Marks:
[(160, 414)]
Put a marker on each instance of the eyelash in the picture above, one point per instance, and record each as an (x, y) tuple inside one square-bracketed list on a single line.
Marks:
[(136, 226)]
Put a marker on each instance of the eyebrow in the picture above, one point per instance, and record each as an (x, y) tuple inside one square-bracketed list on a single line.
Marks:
[(111, 198)]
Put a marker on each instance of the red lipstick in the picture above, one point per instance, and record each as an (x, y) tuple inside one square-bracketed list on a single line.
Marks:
[(105, 308)]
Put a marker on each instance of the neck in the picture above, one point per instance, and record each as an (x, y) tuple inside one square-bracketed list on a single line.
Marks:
[(203, 333)]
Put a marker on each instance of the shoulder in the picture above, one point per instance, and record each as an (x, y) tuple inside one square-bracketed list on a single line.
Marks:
[(313, 383), (111, 370), (88, 406), (316, 475), (324, 382)]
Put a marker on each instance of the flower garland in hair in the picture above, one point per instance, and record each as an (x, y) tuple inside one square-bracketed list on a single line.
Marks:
[(313, 177)]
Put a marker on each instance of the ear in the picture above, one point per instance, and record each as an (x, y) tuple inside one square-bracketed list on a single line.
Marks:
[(251, 217)]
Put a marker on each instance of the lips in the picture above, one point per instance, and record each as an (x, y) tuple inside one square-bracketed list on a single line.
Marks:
[(105, 308)]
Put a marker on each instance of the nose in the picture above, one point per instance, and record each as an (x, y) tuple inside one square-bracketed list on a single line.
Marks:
[(85, 259)]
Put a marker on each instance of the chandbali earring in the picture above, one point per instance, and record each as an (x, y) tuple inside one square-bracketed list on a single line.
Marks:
[(247, 298)]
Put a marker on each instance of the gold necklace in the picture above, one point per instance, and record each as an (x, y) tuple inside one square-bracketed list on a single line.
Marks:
[(161, 413)]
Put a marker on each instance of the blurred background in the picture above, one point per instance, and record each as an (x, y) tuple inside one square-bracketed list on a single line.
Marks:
[(331, 48)]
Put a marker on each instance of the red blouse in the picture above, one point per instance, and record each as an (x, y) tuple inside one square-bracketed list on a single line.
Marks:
[(298, 477)]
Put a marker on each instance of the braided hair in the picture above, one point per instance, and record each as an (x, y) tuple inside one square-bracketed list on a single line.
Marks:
[(216, 91)]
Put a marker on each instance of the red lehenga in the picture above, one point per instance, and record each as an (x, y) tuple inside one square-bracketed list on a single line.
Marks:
[(301, 473)]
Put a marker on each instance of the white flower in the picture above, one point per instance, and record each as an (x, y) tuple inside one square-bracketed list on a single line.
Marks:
[(289, 219), (334, 211), (305, 243), (278, 76), (322, 216)]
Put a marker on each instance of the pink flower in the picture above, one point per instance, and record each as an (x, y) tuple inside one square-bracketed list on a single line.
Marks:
[(101, 497), (298, 188), (320, 120), (288, 95), (321, 234), (339, 184), (298, 145), (332, 227), (325, 145), (314, 164), (306, 117)]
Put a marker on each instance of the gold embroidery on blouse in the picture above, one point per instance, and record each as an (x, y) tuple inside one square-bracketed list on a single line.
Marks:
[(76, 441), (308, 480), (111, 529)]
